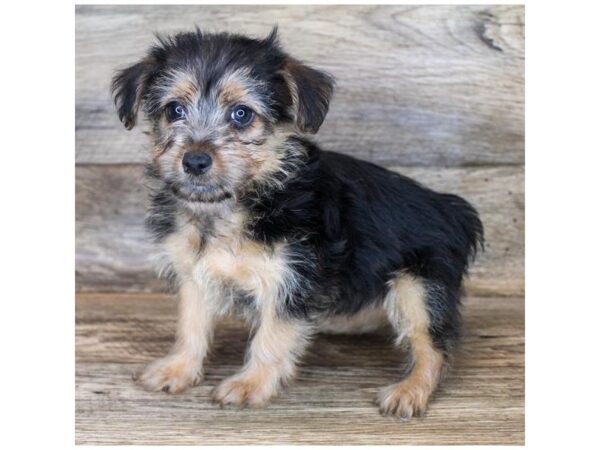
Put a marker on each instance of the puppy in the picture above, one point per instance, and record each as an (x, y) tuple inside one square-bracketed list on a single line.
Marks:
[(255, 219)]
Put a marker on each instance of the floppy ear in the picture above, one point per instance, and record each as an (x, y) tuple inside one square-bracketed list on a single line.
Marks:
[(127, 89), (311, 91)]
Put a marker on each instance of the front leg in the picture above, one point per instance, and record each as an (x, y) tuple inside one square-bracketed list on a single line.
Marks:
[(270, 362), (182, 367)]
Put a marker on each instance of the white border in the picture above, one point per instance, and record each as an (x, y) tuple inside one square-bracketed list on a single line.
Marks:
[(562, 226)]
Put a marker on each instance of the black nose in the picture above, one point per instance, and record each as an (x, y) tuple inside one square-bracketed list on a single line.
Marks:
[(196, 163)]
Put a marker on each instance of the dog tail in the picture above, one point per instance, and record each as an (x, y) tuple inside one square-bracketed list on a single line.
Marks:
[(467, 225)]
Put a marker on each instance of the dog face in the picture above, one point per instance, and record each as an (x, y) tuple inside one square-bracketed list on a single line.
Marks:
[(221, 107)]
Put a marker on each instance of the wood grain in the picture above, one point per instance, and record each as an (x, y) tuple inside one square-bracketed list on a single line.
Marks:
[(417, 85), (331, 402), (113, 252)]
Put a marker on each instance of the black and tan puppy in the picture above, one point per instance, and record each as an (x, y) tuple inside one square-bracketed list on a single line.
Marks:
[(255, 219)]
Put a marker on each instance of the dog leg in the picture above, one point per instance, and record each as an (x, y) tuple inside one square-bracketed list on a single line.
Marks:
[(270, 362), (182, 367), (407, 310)]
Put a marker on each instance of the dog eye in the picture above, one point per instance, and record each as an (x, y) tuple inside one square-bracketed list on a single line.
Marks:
[(241, 116), (175, 111)]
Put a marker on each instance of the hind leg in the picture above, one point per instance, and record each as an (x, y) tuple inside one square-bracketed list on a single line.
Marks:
[(406, 306)]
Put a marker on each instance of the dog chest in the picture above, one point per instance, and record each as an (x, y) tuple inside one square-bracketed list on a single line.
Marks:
[(229, 258), (248, 264)]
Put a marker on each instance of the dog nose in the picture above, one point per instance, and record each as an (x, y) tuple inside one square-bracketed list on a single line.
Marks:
[(196, 163)]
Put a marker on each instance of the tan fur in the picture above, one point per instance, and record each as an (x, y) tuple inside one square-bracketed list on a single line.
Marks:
[(248, 264), (238, 87), (185, 89), (244, 157), (256, 150), (277, 342), (405, 304), (204, 268), (267, 159), (157, 151), (182, 367), (406, 308), (182, 86), (271, 361), (232, 93), (230, 257), (262, 271), (183, 249), (286, 72)]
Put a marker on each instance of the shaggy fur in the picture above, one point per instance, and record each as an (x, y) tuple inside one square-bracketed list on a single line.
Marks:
[(256, 219)]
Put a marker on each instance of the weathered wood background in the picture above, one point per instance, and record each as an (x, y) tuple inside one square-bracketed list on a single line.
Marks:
[(433, 91), (436, 92)]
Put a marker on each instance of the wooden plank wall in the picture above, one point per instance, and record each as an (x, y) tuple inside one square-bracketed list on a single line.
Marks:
[(436, 92)]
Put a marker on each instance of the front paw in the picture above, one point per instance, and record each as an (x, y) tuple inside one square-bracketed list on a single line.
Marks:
[(171, 374), (246, 389)]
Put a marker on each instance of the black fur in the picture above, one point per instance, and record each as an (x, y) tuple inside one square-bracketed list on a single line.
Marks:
[(314, 89), (361, 224), (161, 216), (127, 87), (353, 225)]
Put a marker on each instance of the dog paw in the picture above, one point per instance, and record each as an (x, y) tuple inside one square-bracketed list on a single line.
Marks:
[(171, 374), (243, 390), (403, 400)]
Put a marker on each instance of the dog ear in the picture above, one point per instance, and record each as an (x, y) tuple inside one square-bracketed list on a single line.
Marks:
[(311, 91), (128, 89)]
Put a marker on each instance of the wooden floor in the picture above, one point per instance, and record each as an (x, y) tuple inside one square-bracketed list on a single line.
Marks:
[(331, 402)]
